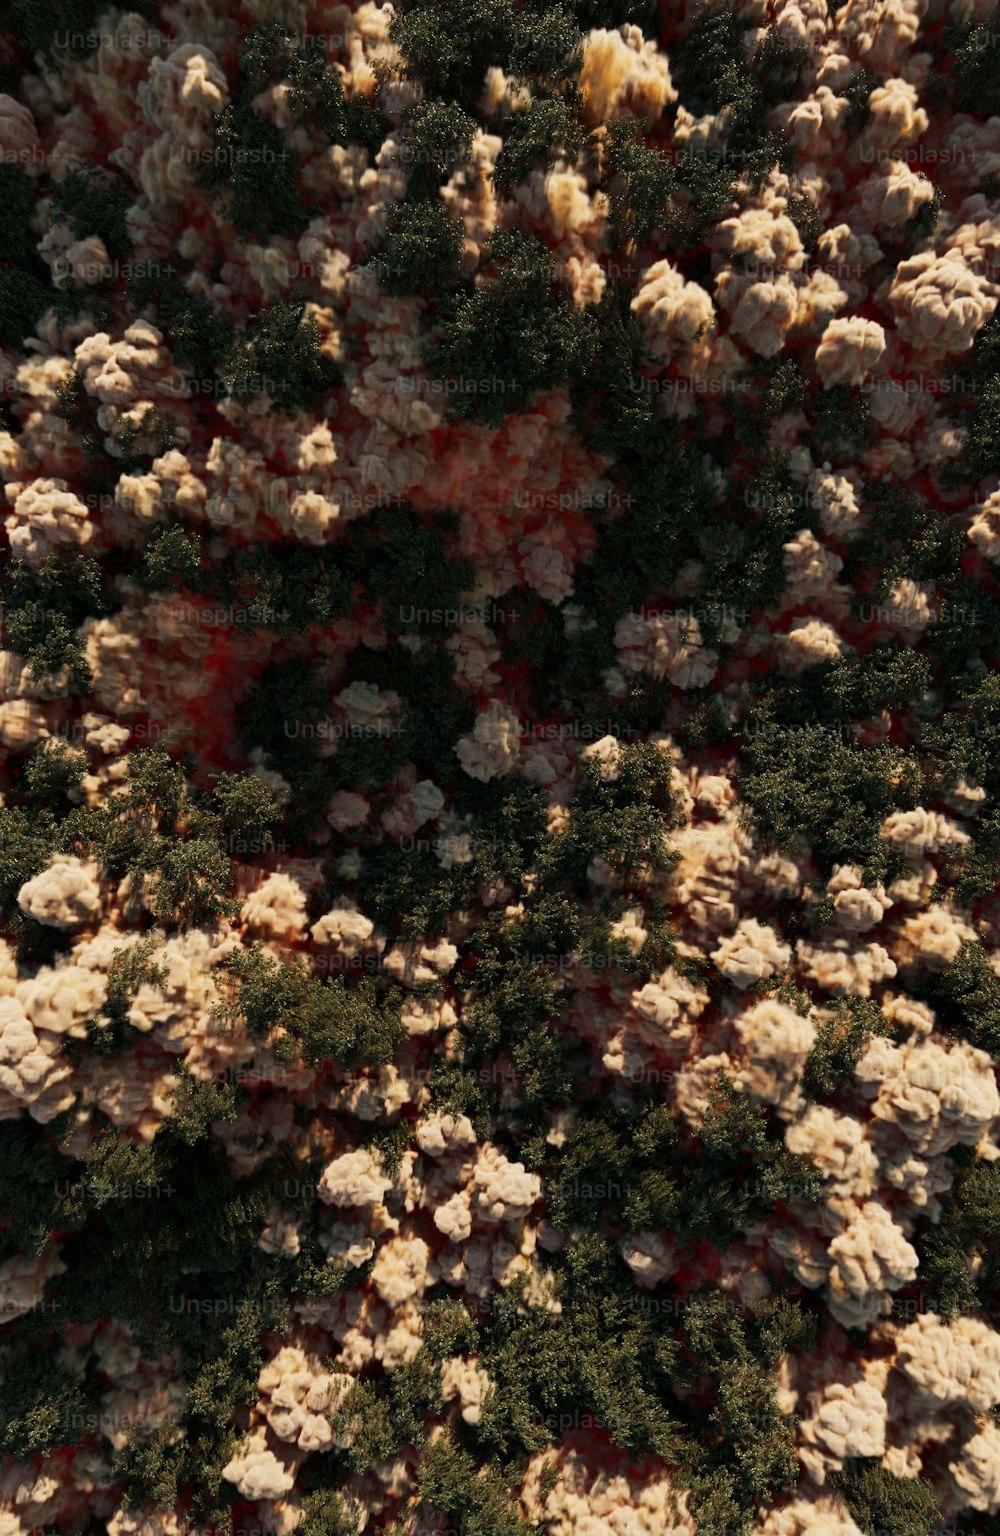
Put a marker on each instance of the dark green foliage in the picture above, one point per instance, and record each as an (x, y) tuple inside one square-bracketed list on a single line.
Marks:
[(53, 769), (315, 94), (410, 574), (199, 332), (710, 189), (450, 1481), (30, 1171), (533, 137), (734, 1129), (197, 1105), (884, 1505), (281, 358), (961, 741), (615, 13), (366, 123), (435, 142), (327, 1514), (420, 253), (42, 1406), (807, 220), (284, 586), (712, 73), (640, 1171), (967, 995), (622, 820), (840, 1043), (131, 967), (17, 202), (745, 567), (610, 1363), (454, 1091), (190, 883), (852, 688), (365, 1416), (326, 1020), (983, 444), (971, 84), (777, 385), (842, 427), (247, 806), (23, 301), (389, 1143), (749, 1443), (450, 44), (95, 202), (514, 336), (449, 1329), (171, 558), (250, 162), (64, 28), (265, 989), (808, 785), (642, 182), (345, 1024), (27, 842), (282, 713), (857, 93), (907, 537), (975, 868), (43, 608), (960, 1253)]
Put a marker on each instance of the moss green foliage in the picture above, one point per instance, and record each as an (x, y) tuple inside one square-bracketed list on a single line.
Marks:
[(642, 182), (326, 1020), (907, 538), (95, 201), (884, 1505), (420, 253), (315, 95), (251, 166), (53, 770), (970, 84), (639, 1169), (435, 142), (967, 997), (533, 137), (514, 336), (449, 46), (808, 785), (44, 607), (132, 966), (713, 74), (451, 1482), (281, 358), (840, 1043), (960, 1253), (171, 558)]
